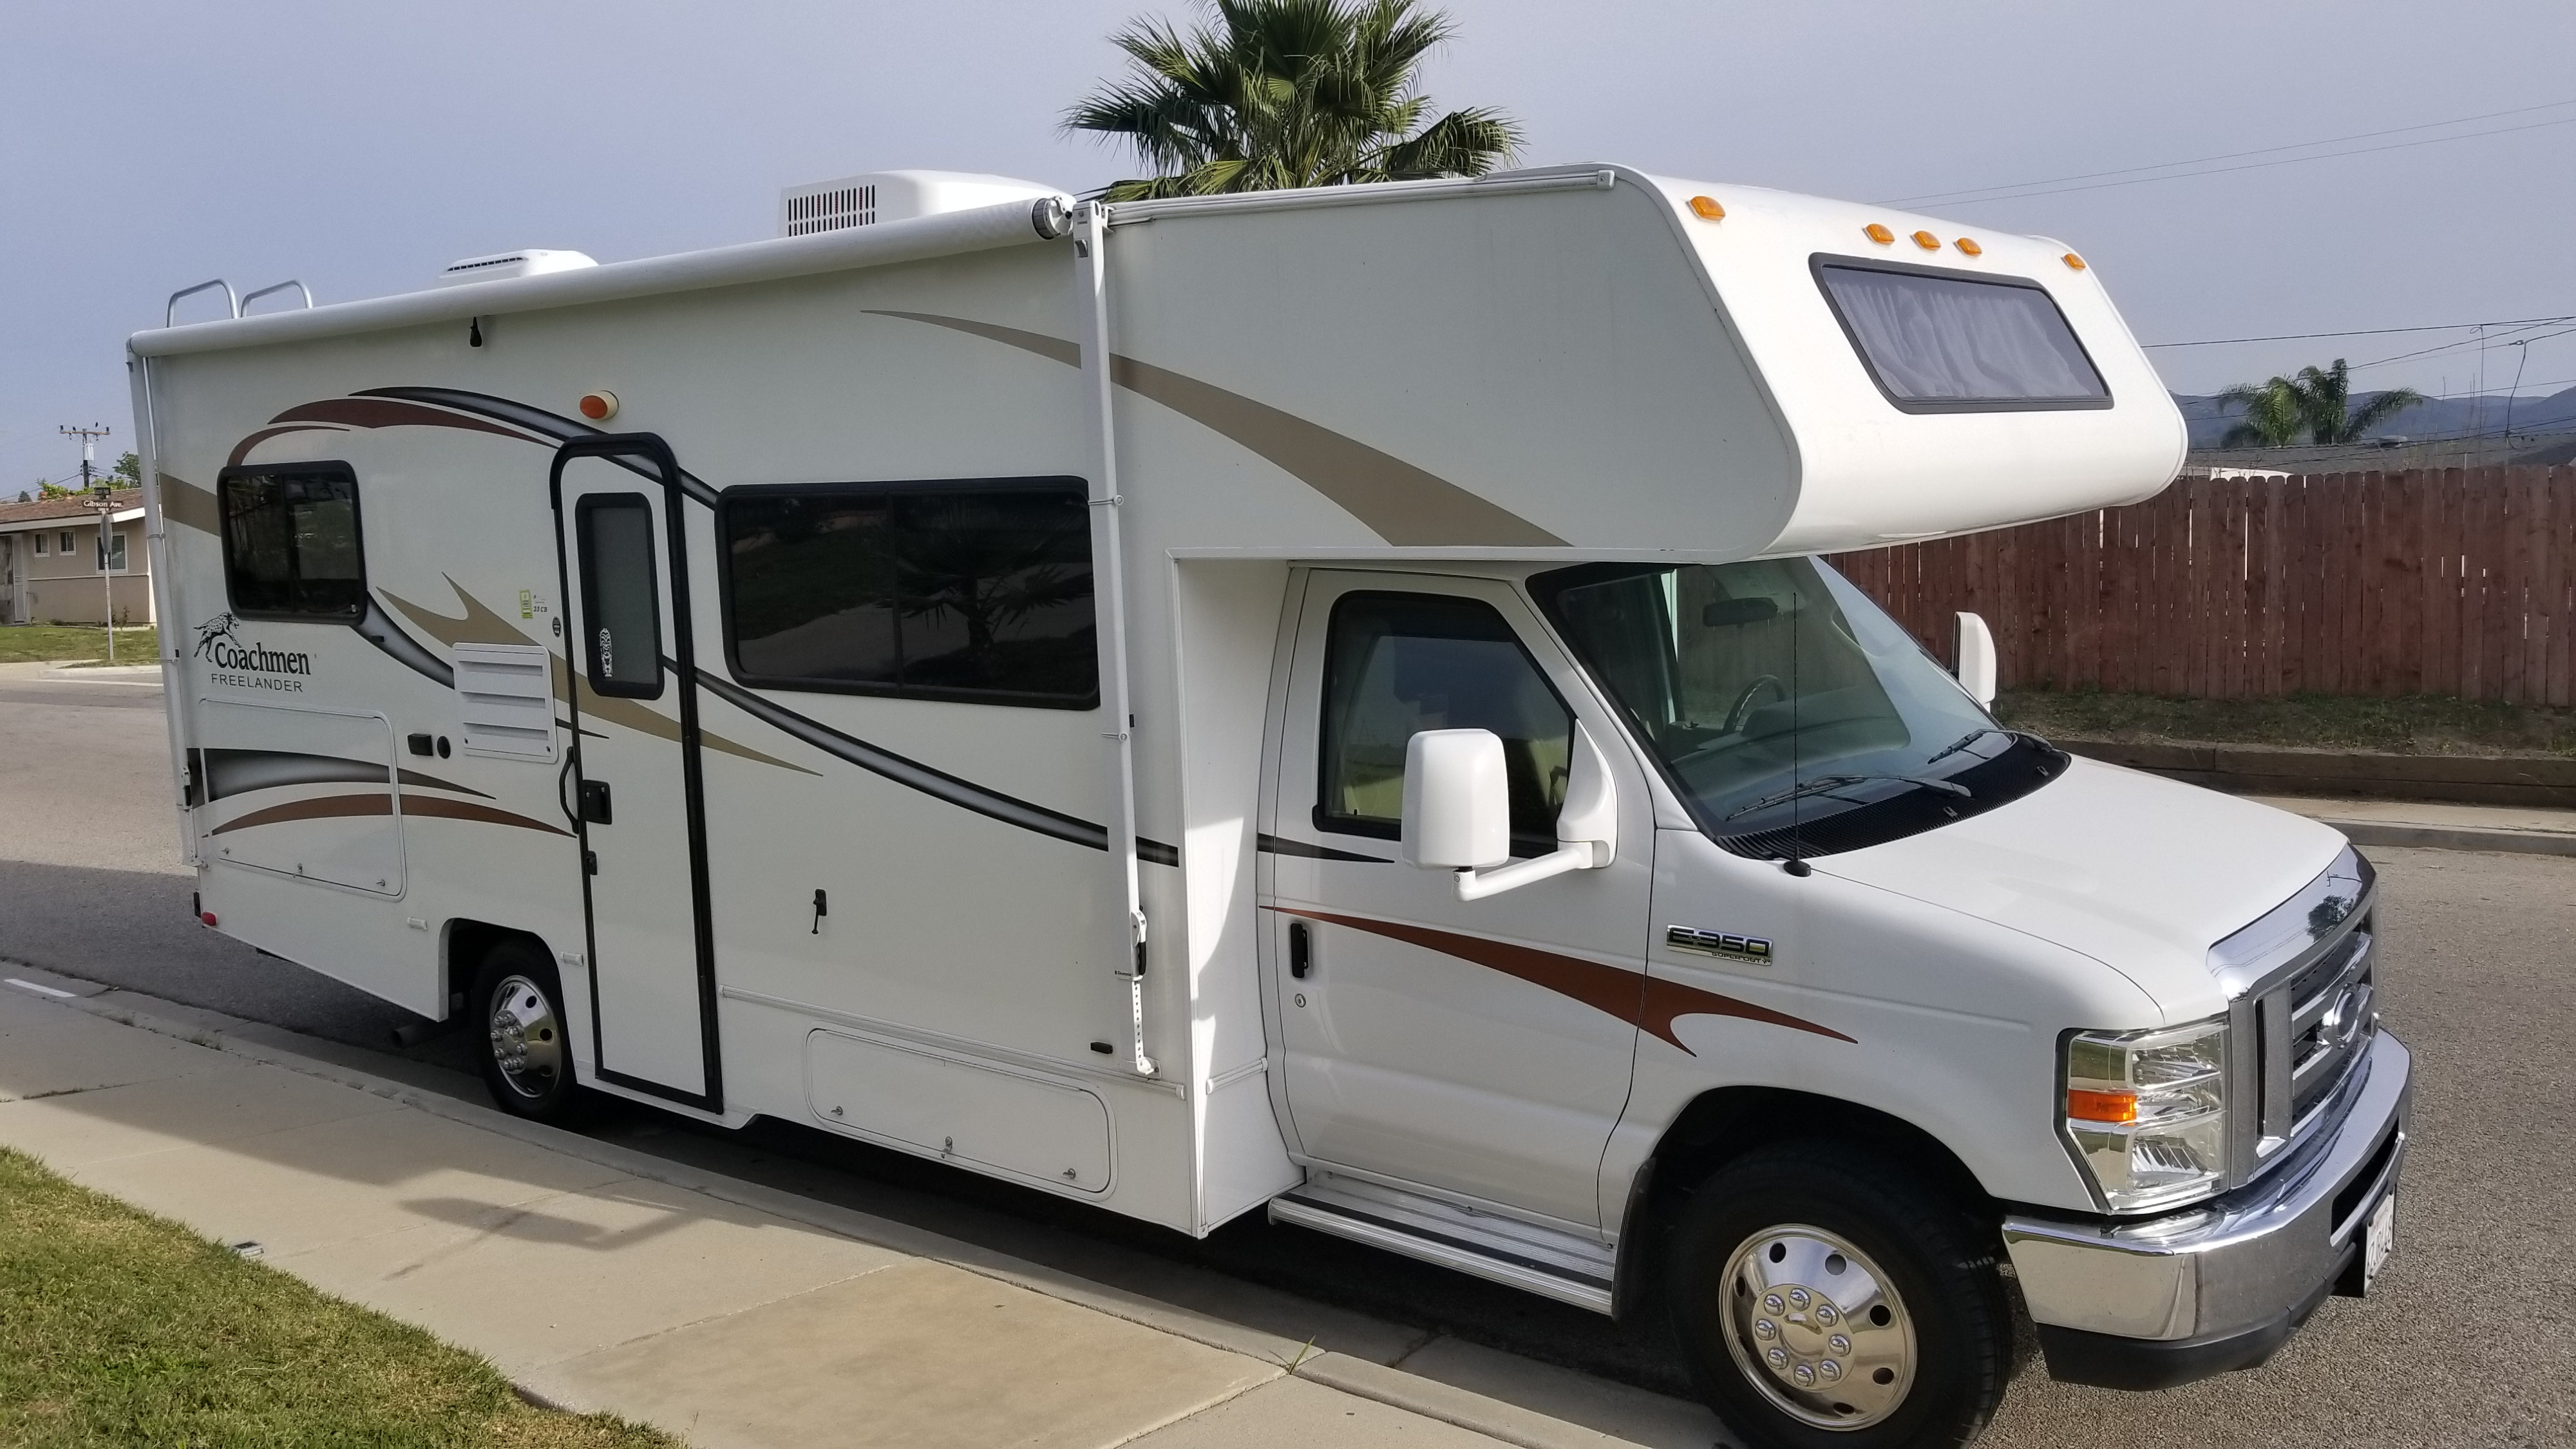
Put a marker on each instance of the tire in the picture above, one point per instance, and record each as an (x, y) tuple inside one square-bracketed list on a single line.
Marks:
[(1910, 1345), (516, 1014)]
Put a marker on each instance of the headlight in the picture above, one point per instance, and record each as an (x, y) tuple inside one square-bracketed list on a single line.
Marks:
[(2147, 1112)]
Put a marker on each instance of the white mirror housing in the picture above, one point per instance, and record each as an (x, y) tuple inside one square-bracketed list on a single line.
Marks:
[(1457, 801), (1976, 655), (1587, 826)]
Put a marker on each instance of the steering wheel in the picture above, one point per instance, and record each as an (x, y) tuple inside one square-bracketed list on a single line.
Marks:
[(1744, 701)]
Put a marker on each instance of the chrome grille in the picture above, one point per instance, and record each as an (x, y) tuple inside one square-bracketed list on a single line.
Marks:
[(2302, 1010), (2330, 1015)]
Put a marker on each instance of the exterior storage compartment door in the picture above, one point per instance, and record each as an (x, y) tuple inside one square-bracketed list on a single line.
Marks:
[(302, 792), (1002, 1121)]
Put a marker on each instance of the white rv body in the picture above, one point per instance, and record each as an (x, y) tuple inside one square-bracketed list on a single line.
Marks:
[(915, 923)]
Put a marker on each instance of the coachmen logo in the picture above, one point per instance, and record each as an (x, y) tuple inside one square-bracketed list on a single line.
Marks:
[(249, 666)]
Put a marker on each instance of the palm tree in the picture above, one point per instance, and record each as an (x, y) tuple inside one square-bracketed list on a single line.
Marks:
[(2316, 402), (1282, 93)]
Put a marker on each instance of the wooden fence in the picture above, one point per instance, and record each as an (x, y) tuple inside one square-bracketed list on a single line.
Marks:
[(2449, 581)]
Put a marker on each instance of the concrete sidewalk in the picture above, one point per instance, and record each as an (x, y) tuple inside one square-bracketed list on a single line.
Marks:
[(597, 1278), (2513, 829)]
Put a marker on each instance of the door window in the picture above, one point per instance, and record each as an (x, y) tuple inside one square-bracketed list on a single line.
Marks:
[(1396, 664), (621, 594)]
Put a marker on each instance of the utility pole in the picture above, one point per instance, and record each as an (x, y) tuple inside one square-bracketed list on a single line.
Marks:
[(98, 499)]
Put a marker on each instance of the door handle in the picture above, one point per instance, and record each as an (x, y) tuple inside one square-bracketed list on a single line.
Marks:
[(1301, 950), (594, 802)]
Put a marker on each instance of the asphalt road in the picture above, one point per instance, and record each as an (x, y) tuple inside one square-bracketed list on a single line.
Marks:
[(2467, 1341)]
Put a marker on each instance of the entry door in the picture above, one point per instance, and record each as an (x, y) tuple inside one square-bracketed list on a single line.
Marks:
[(651, 958), (1477, 1047)]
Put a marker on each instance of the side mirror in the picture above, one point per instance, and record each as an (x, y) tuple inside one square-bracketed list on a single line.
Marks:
[(1976, 655), (1457, 800), (1457, 812)]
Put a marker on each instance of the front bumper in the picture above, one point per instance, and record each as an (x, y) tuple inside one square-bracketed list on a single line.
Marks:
[(2146, 1303)]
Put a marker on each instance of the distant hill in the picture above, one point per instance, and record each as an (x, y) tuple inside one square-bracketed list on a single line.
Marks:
[(2440, 418)]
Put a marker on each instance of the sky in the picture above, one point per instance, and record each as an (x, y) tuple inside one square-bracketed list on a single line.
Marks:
[(359, 147)]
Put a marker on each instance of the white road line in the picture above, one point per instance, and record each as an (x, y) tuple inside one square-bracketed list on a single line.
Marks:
[(39, 990)]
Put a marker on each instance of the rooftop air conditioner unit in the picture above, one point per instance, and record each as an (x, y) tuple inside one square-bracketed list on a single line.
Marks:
[(525, 262), (875, 196)]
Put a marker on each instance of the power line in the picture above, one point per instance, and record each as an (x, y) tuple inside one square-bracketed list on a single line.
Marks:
[(2018, 190), (2366, 332), (2481, 340)]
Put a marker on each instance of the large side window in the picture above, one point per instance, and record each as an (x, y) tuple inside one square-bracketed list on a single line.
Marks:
[(1396, 664), (621, 594), (291, 542), (977, 591), (1943, 341)]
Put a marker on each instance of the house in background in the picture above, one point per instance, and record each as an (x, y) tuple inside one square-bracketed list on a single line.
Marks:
[(51, 562)]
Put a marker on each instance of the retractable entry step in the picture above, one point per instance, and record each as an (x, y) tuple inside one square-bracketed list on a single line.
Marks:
[(1536, 1259)]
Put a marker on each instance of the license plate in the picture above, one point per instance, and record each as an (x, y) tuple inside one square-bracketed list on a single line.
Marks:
[(2379, 1239)]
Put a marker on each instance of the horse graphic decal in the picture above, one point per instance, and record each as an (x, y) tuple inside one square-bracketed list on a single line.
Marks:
[(223, 628)]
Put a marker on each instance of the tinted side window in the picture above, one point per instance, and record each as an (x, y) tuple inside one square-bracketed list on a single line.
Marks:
[(1397, 664), (1939, 342), (621, 594), (978, 592), (291, 548)]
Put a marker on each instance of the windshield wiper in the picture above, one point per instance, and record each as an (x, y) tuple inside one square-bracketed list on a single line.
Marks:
[(1825, 784), (1972, 736)]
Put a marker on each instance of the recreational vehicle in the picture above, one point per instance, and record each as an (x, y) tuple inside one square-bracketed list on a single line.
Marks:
[(1322, 703)]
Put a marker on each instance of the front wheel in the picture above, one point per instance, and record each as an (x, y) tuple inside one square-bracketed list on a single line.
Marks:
[(516, 1013), (1824, 1297)]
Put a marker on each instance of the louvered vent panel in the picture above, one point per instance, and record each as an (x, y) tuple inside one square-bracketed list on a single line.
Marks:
[(505, 693), (830, 210)]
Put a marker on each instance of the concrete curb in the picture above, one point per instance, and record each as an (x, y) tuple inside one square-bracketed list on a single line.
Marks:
[(2452, 837), (1393, 1387)]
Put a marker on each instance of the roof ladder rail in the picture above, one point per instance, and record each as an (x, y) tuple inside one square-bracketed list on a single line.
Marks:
[(170, 313), (280, 287)]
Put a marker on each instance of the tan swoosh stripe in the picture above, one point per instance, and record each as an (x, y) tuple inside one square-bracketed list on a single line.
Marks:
[(481, 625), (328, 807), (185, 502), (1651, 1002), (1399, 502)]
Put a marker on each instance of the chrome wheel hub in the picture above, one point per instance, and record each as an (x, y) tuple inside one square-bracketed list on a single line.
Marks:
[(527, 1041), (1816, 1326)]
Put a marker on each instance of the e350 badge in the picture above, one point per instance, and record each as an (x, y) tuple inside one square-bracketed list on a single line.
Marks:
[(1756, 949)]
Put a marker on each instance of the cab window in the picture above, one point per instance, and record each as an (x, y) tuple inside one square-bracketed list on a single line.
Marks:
[(1396, 664)]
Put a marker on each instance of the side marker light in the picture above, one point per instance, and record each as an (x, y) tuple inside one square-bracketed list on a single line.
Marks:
[(599, 406), (2090, 1106), (2074, 262), (1927, 241), (1878, 234), (1707, 209), (206, 916), (1968, 244)]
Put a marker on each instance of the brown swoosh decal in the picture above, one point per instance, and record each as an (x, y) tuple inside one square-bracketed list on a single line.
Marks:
[(481, 625), (1651, 1003), (185, 502), (329, 807), (378, 412), (242, 449), (1403, 504)]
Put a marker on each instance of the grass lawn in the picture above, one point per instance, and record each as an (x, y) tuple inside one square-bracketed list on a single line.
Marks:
[(2413, 725), (119, 1328), (71, 641)]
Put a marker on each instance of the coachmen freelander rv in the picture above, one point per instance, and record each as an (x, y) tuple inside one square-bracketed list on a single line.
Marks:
[(1317, 702)]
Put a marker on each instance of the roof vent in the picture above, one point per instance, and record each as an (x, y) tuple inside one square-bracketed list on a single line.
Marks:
[(526, 262), (875, 196)]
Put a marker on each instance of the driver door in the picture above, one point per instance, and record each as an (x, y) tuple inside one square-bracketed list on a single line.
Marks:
[(1481, 1049)]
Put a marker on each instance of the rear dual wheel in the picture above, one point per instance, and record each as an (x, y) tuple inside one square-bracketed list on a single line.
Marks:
[(1825, 1299)]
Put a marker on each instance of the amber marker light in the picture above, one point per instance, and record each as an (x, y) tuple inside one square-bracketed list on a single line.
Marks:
[(1927, 241), (1878, 234), (599, 406), (1968, 244), (1707, 209), (2084, 1105), (2074, 263)]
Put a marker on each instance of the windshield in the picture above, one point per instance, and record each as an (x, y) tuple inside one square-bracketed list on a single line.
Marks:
[(1794, 717)]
